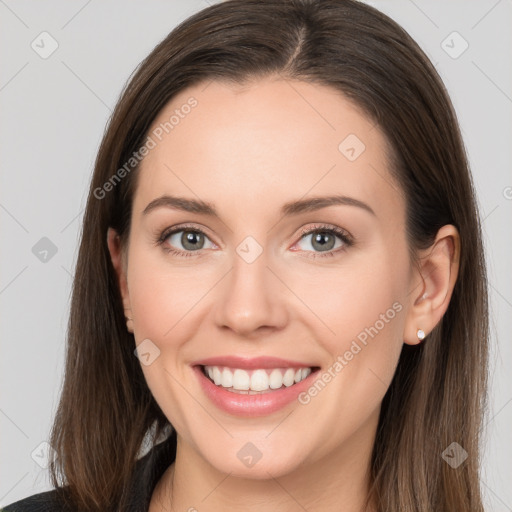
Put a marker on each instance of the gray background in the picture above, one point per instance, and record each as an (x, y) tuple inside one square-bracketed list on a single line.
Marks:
[(54, 111)]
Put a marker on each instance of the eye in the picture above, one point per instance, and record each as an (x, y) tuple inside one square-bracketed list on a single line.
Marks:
[(185, 240), (319, 240), (324, 239)]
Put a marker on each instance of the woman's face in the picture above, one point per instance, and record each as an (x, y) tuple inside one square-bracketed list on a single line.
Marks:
[(263, 291)]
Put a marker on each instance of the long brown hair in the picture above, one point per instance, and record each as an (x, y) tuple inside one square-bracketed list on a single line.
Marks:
[(438, 393)]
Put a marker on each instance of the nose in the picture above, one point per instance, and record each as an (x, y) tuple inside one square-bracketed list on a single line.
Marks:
[(251, 299)]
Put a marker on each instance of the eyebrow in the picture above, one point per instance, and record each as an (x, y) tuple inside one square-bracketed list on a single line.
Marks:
[(288, 209)]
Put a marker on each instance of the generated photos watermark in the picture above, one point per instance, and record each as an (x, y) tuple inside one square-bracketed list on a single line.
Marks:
[(344, 359), (152, 140)]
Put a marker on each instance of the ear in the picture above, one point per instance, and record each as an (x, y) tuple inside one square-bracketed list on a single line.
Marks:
[(118, 259), (435, 279)]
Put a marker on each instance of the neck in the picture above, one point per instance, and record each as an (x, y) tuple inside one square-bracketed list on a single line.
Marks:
[(338, 481)]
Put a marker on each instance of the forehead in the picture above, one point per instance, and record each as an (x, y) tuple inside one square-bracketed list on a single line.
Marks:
[(271, 140)]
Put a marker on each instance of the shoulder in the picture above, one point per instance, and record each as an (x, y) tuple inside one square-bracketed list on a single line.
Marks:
[(48, 501), (148, 470)]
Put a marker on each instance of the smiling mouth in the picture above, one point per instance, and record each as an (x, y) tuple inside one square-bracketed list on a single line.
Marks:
[(256, 381)]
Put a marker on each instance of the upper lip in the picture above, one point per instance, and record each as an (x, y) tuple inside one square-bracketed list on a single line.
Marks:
[(251, 362)]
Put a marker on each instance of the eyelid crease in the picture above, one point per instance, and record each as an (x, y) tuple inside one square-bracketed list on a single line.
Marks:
[(342, 233)]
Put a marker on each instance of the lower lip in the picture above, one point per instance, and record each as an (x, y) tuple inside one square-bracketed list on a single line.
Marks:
[(251, 405)]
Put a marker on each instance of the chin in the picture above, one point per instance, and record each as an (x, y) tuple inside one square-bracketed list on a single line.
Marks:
[(259, 461)]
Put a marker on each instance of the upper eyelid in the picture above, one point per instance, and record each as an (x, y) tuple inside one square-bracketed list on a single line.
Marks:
[(176, 229), (338, 231)]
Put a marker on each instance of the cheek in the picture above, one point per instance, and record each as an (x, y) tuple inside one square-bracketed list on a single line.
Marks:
[(362, 312), (168, 302), (158, 302), (162, 301), (366, 312), (161, 295), (354, 298)]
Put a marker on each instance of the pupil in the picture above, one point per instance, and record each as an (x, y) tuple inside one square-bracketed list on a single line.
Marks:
[(320, 239), (190, 240)]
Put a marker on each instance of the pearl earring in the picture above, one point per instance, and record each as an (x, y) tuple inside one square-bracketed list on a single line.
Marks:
[(420, 334)]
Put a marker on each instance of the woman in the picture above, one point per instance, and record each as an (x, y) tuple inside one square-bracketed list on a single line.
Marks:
[(282, 228)]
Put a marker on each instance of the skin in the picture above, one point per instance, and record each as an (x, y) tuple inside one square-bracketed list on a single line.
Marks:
[(248, 150)]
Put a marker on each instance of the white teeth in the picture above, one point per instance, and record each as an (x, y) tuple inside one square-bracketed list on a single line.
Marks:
[(289, 377), (241, 379), (259, 380), (217, 377), (255, 380), (227, 379), (276, 379), (305, 372)]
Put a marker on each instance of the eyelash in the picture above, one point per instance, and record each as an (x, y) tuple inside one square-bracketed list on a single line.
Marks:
[(343, 235)]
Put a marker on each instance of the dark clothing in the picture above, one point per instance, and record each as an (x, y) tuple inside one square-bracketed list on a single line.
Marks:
[(148, 471)]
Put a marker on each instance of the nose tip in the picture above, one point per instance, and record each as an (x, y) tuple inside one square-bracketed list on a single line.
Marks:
[(250, 301)]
